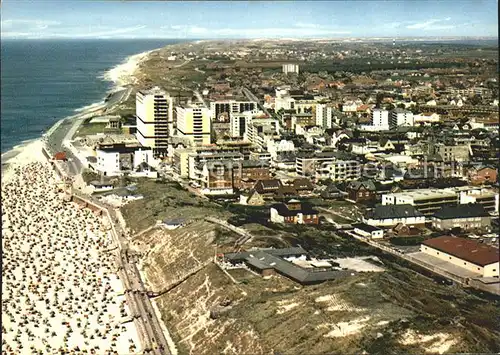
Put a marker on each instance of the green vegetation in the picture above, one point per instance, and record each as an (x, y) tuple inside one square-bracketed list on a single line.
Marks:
[(90, 128)]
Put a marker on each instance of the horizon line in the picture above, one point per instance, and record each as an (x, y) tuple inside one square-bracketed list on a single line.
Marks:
[(249, 38)]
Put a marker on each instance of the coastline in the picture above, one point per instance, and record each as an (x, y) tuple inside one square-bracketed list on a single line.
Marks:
[(120, 76), (26, 161)]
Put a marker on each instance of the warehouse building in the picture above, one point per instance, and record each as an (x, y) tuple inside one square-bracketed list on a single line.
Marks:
[(468, 254)]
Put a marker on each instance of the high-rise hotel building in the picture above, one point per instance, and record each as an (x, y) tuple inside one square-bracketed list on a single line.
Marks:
[(154, 118), (193, 122)]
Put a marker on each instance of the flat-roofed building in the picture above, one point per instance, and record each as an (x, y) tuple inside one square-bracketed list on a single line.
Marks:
[(468, 254), (193, 122), (116, 159), (230, 107), (339, 170), (456, 153), (290, 68), (154, 119), (426, 201), (488, 198), (401, 117)]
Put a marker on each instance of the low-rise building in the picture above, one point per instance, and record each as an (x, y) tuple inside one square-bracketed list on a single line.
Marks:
[(361, 191), (368, 231), (466, 217), (392, 215), (294, 212), (468, 254), (456, 153), (426, 201), (339, 170), (116, 159), (482, 175)]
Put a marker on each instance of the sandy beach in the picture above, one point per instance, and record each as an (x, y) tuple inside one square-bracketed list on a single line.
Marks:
[(60, 289)]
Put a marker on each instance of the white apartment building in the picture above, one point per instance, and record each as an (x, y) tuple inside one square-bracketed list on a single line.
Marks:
[(230, 107), (339, 170), (239, 122), (380, 120), (193, 122), (426, 118), (260, 131), (277, 146), (154, 119), (324, 116), (400, 117), (117, 159), (290, 68)]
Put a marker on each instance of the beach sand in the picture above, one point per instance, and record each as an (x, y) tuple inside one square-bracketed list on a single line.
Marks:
[(60, 289)]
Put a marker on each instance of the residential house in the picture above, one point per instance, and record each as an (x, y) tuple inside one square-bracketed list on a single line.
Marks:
[(368, 231), (252, 198), (466, 217), (303, 186), (247, 172), (331, 192), (294, 212), (361, 191), (470, 255), (392, 215), (482, 175), (268, 187)]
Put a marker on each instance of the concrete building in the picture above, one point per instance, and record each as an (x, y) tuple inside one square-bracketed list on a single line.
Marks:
[(486, 197), (260, 131), (290, 68), (325, 115), (230, 107), (339, 170), (154, 119), (426, 201), (456, 153), (426, 118), (468, 254), (116, 159), (193, 122), (380, 120), (400, 117), (466, 217)]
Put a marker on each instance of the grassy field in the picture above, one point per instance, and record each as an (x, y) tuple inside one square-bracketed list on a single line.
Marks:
[(90, 128), (166, 200)]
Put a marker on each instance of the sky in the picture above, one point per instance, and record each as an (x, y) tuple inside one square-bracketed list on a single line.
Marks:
[(41, 19)]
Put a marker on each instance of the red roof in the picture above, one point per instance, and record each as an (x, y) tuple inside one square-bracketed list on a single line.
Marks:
[(466, 249), (60, 156)]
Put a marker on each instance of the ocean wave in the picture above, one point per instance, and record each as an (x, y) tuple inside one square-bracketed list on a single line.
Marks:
[(122, 74), (89, 107)]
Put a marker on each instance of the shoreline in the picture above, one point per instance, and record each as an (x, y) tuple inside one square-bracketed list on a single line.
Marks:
[(119, 76)]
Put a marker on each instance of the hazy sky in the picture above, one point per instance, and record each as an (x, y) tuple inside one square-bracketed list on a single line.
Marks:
[(240, 19)]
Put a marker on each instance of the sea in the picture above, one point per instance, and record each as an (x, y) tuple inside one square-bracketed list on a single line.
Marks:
[(43, 81)]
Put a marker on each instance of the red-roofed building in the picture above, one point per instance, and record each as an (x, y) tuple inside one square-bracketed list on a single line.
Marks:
[(466, 253)]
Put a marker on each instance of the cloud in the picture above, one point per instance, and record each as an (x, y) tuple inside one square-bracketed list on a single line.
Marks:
[(306, 25), (76, 32), (14, 24), (433, 24)]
